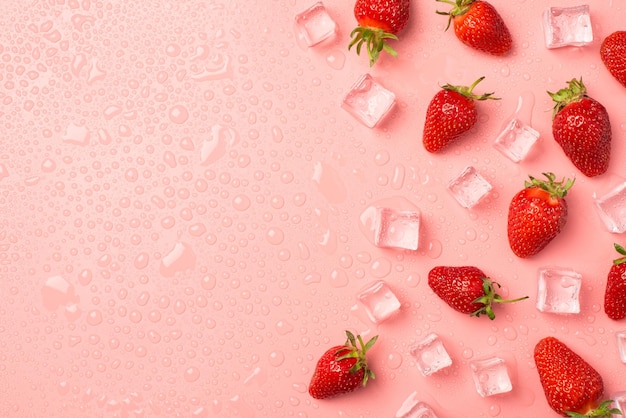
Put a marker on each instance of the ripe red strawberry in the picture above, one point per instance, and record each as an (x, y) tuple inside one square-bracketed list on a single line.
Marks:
[(537, 214), (572, 387), (342, 369), (378, 21), (615, 294), (479, 25), (613, 54), (466, 289), (581, 126), (451, 113)]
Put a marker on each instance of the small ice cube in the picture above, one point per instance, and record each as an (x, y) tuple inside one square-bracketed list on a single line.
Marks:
[(397, 229), (621, 345), (379, 301), (567, 26), (619, 402), (414, 408), (315, 24), (516, 140), (558, 291), (491, 376), (469, 187), (368, 101), (612, 209), (430, 354)]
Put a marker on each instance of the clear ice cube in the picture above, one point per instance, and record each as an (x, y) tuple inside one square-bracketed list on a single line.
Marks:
[(567, 26), (491, 376), (619, 402), (612, 209), (379, 301), (315, 24), (516, 140), (397, 229), (558, 291), (430, 354), (414, 408), (469, 187), (621, 345), (368, 101)]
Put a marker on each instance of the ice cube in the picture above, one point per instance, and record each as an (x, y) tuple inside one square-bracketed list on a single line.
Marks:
[(612, 209), (315, 24), (619, 402), (516, 140), (430, 354), (621, 345), (469, 187), (558, 291), (414, 408), (379, 301), (567, 26), (397, 228), (368, 101), (491, 376)]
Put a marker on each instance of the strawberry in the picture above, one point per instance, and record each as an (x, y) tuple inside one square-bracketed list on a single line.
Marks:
[(466, 289), (342, 369), (537, 214), (451, 113), (378, 20), (615, 294), (479, 25), (572, 387), (581, 126), (613, 54)]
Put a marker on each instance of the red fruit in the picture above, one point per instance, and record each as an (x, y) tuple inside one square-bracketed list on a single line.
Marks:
[(537, 214), (613, 54), (479, 25), (572, 387), (451, 113), (466, 289), (581, 126), (615, 295), (379, 20), (342, 369)]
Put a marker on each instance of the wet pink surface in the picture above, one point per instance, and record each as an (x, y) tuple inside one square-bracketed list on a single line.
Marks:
[(187, 210)]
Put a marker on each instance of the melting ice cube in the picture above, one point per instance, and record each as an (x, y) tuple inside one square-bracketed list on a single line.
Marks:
[(621, 346), (315, 24), (469, 187), (558, 291), (516, 140), (397, 229), (491, 376), (430, 355), (414, 408), (368, 101), (612, 209), (567, 26), (379, 301)]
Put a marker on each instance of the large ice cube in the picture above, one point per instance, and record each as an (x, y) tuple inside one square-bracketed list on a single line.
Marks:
[(612, 209), (469, 187), (516, 140), (397, 229), (379, 301), (558, 290), (491, 376), (412, 407), (315, 24), (430, 355), (368, 101), (567, 26), (621, 345)]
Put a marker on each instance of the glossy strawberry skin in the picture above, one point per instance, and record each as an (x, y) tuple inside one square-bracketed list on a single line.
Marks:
[(389, 15), (613, 55), (459, 287), (481, 27), (332, 377), (535, 219), (569, 382), (583, 130), (449, 115)]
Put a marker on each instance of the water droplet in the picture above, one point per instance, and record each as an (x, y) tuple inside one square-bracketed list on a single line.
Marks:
[(380, 268), (241, 202), (336, 59), (276, 358), (192, 374), (179, 114), (275, 235), (338, 278), (394, 360), (510, 333)]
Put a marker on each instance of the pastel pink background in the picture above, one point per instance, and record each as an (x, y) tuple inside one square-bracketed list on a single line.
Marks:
[(181, 197)]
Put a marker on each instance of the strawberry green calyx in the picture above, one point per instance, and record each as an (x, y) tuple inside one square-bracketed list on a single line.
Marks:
[(621, 250), (460, 8), (574, 91), (358, 352), (602, 411), (490, 298), (375, 41), (468, 91), (557, 189)]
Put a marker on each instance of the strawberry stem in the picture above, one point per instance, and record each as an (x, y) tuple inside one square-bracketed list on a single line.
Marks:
[(358, 351), (574, 91), (374, 40), (602, 411), (621, 250), (468, 91), (490, 297), (555, 188), (460, 7)]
